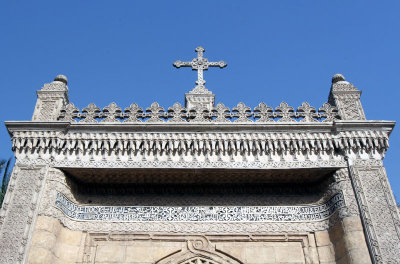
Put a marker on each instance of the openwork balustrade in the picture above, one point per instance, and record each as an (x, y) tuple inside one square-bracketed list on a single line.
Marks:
[(177, 113)]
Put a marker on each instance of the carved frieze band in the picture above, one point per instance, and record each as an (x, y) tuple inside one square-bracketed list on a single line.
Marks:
[(150, 162), (199, 213), (198, 142), (230, 150), (58, 183)]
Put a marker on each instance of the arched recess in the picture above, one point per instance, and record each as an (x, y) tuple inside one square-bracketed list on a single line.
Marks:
[(199, 251), (200, 260)]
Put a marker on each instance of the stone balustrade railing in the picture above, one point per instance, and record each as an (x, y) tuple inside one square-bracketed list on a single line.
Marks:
[(220, 114)]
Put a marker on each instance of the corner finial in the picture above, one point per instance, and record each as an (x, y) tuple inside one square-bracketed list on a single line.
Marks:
[(52, 97), (337, 78), (61, 78), (346, 97)]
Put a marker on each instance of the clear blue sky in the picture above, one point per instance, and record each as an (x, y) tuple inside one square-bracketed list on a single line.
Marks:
[(276, 51)]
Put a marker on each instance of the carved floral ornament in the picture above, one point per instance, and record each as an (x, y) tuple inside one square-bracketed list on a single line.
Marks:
[(177, 113), (218, 143)]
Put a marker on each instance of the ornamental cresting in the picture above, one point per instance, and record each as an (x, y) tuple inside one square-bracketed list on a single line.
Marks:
[(219, 114)]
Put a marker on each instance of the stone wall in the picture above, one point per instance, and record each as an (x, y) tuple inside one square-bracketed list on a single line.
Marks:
[(54, 243), (343, 243)]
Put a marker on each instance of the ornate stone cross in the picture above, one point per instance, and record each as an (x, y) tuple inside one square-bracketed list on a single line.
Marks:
[(200, 64)]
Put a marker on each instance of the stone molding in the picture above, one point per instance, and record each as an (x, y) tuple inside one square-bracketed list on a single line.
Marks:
[(203, 245), (198, 250)]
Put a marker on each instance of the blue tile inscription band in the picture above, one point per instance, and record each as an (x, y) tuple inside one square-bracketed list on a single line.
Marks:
[(199, 213)]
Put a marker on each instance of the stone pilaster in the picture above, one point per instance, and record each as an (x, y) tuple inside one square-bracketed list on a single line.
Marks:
[(51, 98), (378, 209), (346, 97), (345, 240), (19, 212)]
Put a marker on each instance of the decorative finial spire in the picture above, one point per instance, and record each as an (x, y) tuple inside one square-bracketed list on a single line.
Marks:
[(200, 64), (337, 78), (61, 78)]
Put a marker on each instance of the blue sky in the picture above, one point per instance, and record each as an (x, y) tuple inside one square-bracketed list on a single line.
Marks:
[(276, 51)]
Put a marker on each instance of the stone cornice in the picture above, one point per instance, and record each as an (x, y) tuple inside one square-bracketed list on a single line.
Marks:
[(192, 145), (345, 125)]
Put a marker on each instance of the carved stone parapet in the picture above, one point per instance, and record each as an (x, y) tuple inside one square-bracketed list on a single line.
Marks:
[(199, 108), (51, 99), (346, 98)]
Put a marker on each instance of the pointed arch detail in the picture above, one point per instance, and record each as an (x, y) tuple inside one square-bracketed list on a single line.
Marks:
[(199, 251)]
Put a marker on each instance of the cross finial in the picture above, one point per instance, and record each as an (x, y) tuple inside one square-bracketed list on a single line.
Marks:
[(199, 64)]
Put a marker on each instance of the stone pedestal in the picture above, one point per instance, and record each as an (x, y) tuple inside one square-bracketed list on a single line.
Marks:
[(346, 98), (206, 101), (51, 98)]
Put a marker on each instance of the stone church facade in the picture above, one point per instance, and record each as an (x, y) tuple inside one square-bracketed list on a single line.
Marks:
[(199, 183)]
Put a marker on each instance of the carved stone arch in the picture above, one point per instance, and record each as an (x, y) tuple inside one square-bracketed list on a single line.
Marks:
[(198, 251), (200, 260)]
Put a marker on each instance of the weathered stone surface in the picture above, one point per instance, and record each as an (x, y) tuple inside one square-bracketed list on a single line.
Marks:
[(70, 237), (323, 238), (111, 254), (238, 251), (289, 254), (258, 254), (359, 256), (326, 254), (352, 224), (43, 239), (40, 256), (66, 252)]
